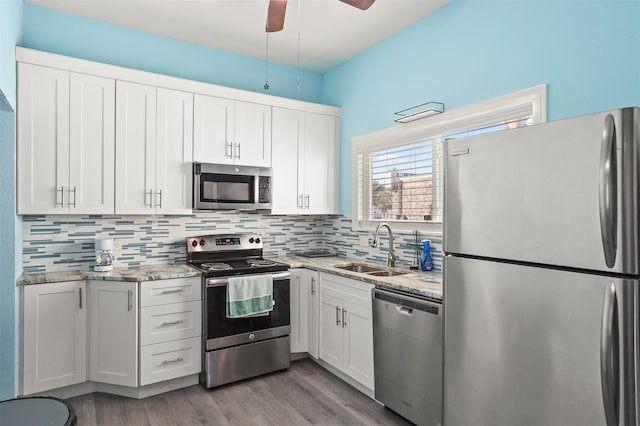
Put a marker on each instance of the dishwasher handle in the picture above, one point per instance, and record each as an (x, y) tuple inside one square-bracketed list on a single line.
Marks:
[(405, 304)]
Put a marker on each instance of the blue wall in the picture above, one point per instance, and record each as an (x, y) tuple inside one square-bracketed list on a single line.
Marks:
[(10, 226), (71, 35), (588, 52)]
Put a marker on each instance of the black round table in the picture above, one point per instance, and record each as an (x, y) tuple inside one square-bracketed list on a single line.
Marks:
[(37, 411)]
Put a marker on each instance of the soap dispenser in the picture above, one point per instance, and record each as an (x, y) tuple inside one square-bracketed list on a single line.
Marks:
[(426, 263)]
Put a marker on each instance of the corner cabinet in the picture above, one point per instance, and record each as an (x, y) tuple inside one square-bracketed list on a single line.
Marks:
[(54, 336), (346, 327), (305, 162), (65, 153), (113, 332), (154, 144), (231, 132)]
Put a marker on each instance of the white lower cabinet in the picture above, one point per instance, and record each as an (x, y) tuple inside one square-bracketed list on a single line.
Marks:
[(346, 327), (170, 329), (113, 332), (54, 336), (123, 333), (304, 311)]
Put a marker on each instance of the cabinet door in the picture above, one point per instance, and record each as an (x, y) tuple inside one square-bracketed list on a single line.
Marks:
[(135, 148), (174, 152), (43, 140), (331, 333), (358, 343), (252, 144), (318, 164), (113, 334), (299, 311), (55, 336), (287, 127), (213, 127), (313, 305), (92, 144)]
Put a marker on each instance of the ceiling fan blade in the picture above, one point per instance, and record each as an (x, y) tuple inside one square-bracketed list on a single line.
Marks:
[(275, 15), (360, 4)]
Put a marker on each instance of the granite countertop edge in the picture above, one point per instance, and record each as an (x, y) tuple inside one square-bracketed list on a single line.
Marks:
[(141, 273), (427, 284)]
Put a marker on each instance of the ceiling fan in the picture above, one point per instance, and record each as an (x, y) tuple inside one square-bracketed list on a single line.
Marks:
[(277, 9)]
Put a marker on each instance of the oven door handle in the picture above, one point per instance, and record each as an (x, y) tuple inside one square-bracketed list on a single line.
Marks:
[(221, 282)]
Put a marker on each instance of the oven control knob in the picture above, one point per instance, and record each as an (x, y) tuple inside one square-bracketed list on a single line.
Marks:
[(201, 242), (251, 240), (194, 243), (252, 336), (257, 240)]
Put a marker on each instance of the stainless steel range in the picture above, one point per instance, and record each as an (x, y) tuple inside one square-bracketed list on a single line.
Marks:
[(239, 348)]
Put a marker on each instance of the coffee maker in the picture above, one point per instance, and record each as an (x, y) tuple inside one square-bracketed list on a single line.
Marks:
[(105, 257)]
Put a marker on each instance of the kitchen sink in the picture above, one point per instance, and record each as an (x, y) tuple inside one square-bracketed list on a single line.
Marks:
[(386, 273), (376, 271), (359, 267)]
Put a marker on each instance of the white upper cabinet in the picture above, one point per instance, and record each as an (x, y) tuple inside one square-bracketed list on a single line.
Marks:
[(65, 142), (231, 132), (305, 162), (153, 150)]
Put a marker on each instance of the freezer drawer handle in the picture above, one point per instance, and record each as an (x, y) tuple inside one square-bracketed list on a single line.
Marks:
[(608, 191), (609, 355)]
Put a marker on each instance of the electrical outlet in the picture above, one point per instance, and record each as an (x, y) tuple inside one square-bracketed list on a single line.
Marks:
[(281, 239), (364, 240), (117, 247)]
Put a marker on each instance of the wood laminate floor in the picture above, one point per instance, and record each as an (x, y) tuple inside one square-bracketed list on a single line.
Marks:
[(305, 394)]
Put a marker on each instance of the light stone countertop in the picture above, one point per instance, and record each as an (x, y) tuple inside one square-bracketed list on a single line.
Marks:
[(141, 273), (428, 284)]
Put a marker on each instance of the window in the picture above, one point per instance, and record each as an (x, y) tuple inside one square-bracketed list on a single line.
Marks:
[(398, 172)]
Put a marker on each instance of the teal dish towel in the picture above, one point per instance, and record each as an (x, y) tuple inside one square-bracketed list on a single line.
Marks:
[(249, 296)]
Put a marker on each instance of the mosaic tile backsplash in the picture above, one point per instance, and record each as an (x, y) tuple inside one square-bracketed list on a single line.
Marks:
[(55, 243)]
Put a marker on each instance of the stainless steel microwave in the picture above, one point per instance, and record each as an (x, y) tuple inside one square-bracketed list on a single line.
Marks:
[(226, 187)]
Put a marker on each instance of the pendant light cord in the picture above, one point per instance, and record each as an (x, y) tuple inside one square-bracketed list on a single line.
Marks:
[(299, 24), (266, 72)]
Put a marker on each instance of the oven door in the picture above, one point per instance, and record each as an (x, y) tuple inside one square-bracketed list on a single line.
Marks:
[(221, 332)]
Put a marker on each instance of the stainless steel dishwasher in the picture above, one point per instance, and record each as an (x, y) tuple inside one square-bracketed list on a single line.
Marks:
[(407, 353)]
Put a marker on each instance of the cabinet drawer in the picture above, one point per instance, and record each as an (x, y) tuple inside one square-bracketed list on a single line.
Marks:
[(170, 291), (165, 361), (175, 321)]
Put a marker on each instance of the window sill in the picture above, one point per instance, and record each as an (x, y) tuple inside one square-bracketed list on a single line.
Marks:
[(425, 229)]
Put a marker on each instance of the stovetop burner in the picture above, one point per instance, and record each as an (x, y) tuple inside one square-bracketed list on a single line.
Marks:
[(209, 266), (254, 263)]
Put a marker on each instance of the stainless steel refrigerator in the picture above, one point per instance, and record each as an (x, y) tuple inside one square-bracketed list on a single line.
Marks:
[(541, 274)]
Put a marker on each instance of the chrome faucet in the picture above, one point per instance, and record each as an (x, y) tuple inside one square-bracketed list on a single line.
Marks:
[(391, 257)]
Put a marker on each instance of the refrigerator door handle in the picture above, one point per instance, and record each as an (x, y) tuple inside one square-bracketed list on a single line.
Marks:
[(608, 191), (609, 356)]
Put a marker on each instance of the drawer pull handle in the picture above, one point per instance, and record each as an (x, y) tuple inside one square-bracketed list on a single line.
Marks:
[(172, 361), (164, 324), (180, 290)]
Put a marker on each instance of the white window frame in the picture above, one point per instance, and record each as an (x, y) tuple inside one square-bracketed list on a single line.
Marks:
[(531, 101)]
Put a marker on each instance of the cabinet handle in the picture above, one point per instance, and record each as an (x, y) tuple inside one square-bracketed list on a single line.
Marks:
[(300, 203), (173, 361), (159, 204), (337, 315), (80, 298), (307, 198), (228, 153), (238, 151), (179, 290), (61, 191), (165, 324), (129, 305), (344, 320), (74, 196), (313, 286), (150, 193)]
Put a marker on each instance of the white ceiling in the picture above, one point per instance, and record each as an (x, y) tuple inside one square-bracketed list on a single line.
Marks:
[(331, 32)]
